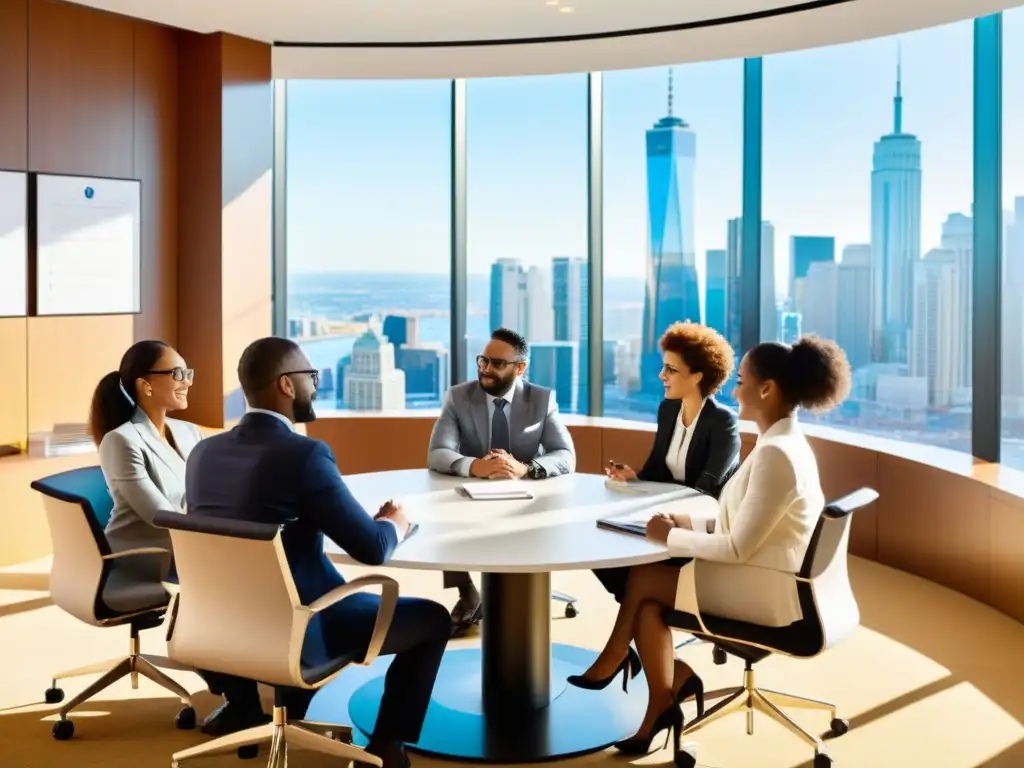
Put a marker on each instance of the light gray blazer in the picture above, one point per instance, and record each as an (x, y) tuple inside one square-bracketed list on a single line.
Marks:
[(536, 431), (145, 476)]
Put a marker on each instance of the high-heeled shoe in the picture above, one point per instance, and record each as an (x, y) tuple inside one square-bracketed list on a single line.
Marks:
[(630, 668), (671, 718), (693, 686)]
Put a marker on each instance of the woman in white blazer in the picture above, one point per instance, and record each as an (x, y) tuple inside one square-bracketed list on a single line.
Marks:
[(142, 451), (767, 513)]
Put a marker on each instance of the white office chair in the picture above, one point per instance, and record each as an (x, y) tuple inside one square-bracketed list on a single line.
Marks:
[(238, 612), (830, 614), (85, 582)]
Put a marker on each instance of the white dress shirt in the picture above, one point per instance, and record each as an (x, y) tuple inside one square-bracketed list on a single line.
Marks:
[(679, 445), (766, 516), (285, 420)]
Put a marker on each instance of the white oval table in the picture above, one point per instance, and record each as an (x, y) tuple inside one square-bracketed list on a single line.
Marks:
[(509, 702)]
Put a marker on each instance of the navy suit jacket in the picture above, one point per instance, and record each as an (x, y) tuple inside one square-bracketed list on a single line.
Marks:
[(262, 471)]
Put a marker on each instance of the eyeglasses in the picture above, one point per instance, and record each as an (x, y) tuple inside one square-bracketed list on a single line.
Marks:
[(482, 361), (178, 374), (313, 374)]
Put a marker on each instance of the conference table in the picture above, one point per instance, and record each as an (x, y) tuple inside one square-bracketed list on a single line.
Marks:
[(508, 701)]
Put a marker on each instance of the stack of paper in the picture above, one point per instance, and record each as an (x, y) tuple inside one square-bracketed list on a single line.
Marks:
[(495, 491)]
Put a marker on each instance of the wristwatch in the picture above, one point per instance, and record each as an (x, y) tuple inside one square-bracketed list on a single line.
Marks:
[(536, 471)]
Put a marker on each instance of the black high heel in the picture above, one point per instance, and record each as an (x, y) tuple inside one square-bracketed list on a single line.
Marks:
[(693, 686), (671, 718), (630, 668)]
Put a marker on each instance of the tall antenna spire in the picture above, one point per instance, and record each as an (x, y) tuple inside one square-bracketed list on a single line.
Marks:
[(670, 91), (898, 101)]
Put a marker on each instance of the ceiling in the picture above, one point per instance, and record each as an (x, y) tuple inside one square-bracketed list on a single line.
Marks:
[(466, 38)]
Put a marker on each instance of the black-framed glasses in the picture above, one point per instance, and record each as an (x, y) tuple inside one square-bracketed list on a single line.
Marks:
[(178, 374), (312, 373), (482, 361)]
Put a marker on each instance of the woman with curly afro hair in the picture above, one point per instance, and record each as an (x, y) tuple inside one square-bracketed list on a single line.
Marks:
[(698, 441), (767, 514)]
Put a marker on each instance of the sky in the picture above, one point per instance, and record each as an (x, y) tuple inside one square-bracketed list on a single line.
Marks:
[(368, 161)]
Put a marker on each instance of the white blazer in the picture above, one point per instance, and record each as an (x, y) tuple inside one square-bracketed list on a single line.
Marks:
[(767, 514), (145, 475)]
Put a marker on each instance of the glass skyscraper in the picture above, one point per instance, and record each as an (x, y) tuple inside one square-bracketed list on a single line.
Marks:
[(671, 291)]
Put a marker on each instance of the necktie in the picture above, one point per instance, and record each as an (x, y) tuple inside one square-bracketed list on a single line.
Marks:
[(499, 427)]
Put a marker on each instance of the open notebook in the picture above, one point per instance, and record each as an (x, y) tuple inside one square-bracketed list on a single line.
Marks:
[(495, 490), (634, 523)]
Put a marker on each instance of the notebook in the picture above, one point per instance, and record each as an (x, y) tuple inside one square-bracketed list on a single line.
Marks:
[(634, 523), (495, 491)]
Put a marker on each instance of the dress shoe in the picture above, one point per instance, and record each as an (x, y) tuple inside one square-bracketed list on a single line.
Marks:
[(392, 754), (466, 614), (231, 718)]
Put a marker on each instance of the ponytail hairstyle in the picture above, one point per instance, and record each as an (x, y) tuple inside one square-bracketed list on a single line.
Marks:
[(113, 402), (813, 373)]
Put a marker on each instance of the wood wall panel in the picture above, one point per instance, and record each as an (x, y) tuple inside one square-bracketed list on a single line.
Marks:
[(81, 71), (1007, 542), (935, 524), (589, 448), (13, 85), (848, 469), (628, 446), (155, 109), (66, 359), (13, 380)]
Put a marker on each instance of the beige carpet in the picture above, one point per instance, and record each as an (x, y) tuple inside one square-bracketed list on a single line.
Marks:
[(930, 679)]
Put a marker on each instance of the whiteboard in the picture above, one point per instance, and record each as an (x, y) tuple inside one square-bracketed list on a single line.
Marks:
[(88, 246), (13, 245)]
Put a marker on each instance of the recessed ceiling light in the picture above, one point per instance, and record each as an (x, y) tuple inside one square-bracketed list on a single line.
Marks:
[(552, 2), (565, 9)]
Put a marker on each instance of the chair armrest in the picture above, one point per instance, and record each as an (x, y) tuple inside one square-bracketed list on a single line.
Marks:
[(385, 613), (686, 593), (140, 551)]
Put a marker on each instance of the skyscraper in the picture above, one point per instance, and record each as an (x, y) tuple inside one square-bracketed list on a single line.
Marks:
[(715, 290), (937, 331), (733, 300), (371, 381), (571, 316), (853, 305), (895, 235), (671, 291), (508, 295), (805, 250), (820, 299)]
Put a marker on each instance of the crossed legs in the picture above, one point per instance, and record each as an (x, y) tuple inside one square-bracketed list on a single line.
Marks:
[(649, 590)]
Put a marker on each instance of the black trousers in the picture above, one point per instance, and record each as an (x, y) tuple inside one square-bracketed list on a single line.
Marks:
[(458, 579), (615, 579), (418, 635)]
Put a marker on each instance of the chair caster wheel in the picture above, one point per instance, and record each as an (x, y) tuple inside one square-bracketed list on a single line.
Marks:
[(719, 656), (839, 726), (822, 761), (54, 696), (248, 752), (185, 719), (571, 611), (63, 730)]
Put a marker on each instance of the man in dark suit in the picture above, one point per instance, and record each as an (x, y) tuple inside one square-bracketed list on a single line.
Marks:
[(263, 471)]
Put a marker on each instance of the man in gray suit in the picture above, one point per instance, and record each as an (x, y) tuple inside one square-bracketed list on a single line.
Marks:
[(497, 427)]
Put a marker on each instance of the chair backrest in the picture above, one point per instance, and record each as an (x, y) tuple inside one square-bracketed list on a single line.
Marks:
[(825, 567), (237, 611), (78, 506)]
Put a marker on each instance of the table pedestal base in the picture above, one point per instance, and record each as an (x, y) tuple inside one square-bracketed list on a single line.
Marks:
[(575, 722)]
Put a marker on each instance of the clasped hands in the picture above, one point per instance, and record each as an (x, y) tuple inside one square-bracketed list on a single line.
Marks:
[(498, 465), (659, 526), (394, 512)]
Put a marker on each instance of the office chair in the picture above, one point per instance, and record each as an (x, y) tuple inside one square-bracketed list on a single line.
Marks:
[(830, 614), (85, 582), (238, 612)]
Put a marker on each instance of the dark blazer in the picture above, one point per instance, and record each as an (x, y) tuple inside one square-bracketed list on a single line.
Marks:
[(264, 472), (713, 454)]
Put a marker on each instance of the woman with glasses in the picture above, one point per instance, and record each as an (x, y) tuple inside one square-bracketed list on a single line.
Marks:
[(143, 451)]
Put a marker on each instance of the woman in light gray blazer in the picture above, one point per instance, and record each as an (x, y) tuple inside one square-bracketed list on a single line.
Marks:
[(142, 451), (767, 513)]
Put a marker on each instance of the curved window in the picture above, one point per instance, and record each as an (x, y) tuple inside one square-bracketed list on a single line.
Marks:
[(868, 181), (673, 152), (526, 187), (369, 238)]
